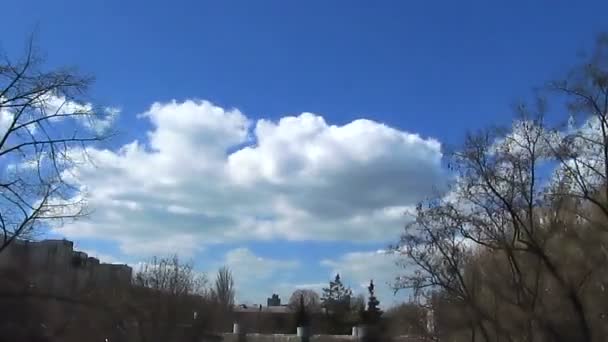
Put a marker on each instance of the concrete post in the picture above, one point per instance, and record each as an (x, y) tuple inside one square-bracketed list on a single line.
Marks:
[(430, 321), (361, 331), (303, 334)]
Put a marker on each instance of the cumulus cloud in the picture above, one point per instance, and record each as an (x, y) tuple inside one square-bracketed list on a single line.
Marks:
[(58, 108), (252, 273), (205, 174)]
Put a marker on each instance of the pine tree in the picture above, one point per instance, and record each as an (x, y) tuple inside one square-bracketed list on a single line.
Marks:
[(336, 302), (336, 296), (373, 313)]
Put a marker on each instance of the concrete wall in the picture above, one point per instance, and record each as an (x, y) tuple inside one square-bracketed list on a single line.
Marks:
[(286, 338), (294, 338)]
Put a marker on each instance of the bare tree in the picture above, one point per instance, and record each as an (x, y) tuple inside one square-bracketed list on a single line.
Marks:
[(357, 303), (515, 247), (311, 300), (168, 293), (223, 291), (407, 319), (170, 275), (583, 152), (223, 298), (44, 120)]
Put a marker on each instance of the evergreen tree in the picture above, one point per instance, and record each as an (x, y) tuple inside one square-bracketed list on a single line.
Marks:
[(336, 302), (336, 297), (373, 313)]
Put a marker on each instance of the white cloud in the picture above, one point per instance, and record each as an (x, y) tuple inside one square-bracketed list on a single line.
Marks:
[(59, 108), (178, 209), (103, 121), (6, 118), (311, 286), (52, 104), (245, 264), (102, 257), (203, 176), (195, 129), (252, 273), (95, 119)]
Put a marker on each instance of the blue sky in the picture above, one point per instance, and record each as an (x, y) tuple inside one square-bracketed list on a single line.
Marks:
[(429, 71)]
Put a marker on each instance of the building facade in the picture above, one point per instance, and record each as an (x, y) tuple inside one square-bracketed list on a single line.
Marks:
[(53, 266)]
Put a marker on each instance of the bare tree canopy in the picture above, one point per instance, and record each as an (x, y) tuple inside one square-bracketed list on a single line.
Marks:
[(516, 250), (45, 126), (168, 292), (171, 276), (311, 300), (223, 291)]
